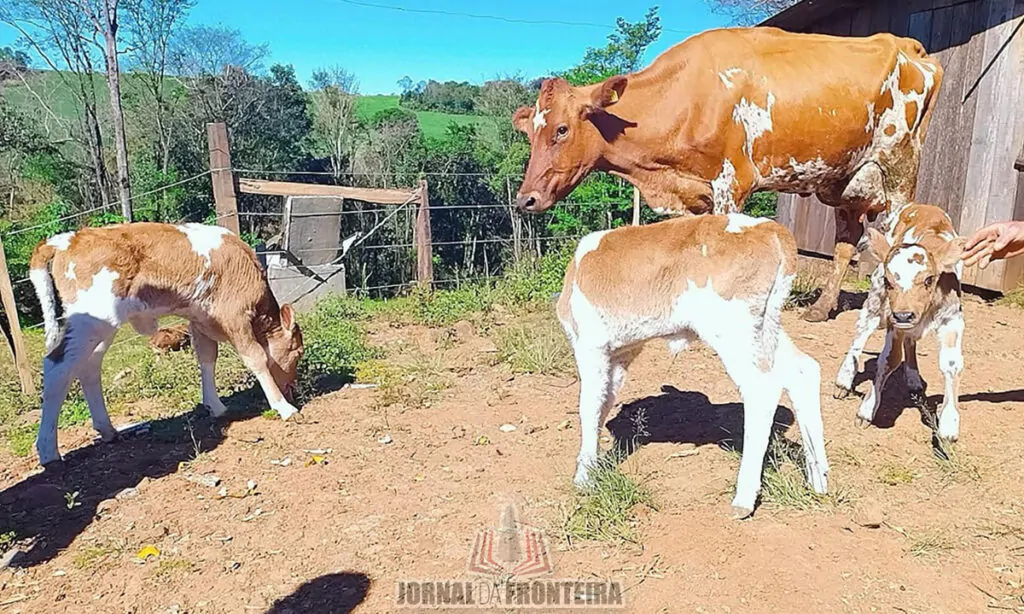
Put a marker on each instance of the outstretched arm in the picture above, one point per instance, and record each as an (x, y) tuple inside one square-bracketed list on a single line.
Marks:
[(995, 242)]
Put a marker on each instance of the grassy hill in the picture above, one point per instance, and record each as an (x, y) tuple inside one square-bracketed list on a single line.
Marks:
[(50, 87)]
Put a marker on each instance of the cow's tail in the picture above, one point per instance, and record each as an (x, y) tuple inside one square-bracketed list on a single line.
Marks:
[(42, 281)]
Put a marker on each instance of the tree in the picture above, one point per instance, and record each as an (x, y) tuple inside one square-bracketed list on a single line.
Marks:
[(60, 34), (203, 51), (749, 12), (333, 102), (13, 62), (624, 52)]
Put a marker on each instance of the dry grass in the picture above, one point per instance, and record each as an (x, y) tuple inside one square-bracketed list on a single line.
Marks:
[(535, 345), (606, 510), (784, 481)]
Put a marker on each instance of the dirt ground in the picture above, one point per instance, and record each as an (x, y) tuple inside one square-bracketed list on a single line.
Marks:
[(389, 495)]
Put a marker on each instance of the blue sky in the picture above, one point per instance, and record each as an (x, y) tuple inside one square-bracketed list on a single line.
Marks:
[(381, 46)]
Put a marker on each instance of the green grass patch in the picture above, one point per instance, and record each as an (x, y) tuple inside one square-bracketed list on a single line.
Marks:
[(607, 509), (893, 474), (7, 539), (535, 345), (784, 481), (806, 288), (415, 381), (21, 438)]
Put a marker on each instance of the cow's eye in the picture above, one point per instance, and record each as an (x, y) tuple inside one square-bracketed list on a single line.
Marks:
[(929, 281), (562, 131)]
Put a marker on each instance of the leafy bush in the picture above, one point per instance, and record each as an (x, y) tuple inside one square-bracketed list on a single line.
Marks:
[(335, 344), (535, 347), (762, 204), (536, 280)]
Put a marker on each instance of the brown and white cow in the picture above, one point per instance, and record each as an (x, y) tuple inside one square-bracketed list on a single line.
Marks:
[(723, 279), (917, 288), (734, 111), (137, 273)]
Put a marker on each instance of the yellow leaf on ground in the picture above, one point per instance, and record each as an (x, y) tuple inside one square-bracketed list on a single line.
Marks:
[(148, 551)]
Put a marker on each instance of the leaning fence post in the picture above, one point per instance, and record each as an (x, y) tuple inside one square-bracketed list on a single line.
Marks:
[(424, 247), (222, 177), (17, 341), (636, 206)]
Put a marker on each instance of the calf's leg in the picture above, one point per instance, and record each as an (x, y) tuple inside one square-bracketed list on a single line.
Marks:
[(888, 360), (951, 363), (801, 377), (913, 375), (868, 321), (596, 374), (92, 390), (82, 335), (206, 353)]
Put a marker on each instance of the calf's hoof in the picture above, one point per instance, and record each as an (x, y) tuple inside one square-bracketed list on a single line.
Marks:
[(815, 314), (740, 512), (862, 422), (287, 412), (839, 392)]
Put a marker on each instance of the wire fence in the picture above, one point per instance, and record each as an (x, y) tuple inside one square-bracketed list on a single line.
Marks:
[(474, 240)]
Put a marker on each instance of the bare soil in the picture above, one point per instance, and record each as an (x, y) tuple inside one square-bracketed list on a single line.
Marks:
[(401, 494)]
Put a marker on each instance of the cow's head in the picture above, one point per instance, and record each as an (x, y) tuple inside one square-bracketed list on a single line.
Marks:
[(285, 346), (568, 128), (913, 275)]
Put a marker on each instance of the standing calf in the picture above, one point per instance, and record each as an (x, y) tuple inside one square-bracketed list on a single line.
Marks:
[(917, 285), (723, 279), (138, 272)]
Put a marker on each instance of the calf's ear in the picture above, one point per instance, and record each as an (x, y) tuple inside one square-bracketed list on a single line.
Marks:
[(288, 322), (878, 245), (954, 252), (522, 119)]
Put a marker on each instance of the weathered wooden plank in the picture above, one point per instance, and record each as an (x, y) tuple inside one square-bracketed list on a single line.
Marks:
[(920, 27), (923, 5), (880, 14), (285, 188), (988, 195), (222, 177), (899, 19), (860, 23)]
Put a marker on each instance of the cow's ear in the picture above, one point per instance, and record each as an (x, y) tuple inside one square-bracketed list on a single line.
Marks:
[(288, 322), (878, 244), (954, 252), (522, 119), (608, 92)]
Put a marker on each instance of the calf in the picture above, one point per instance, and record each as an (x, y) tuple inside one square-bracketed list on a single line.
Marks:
[(917, 285), (723, 279), (137, 273)]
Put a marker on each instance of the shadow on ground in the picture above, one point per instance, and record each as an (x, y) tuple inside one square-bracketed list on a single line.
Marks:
[(337, 593), (38, 507), (683, 417)]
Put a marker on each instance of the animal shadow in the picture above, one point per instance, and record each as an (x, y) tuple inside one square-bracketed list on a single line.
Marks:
[(337, 593), (45, 508), (683, 417)]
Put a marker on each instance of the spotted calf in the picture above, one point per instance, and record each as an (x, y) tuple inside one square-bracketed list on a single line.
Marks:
[(917, 289), (722, 279), (137, 273)]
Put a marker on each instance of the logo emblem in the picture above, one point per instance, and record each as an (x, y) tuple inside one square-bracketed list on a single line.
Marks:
[(511, 551)]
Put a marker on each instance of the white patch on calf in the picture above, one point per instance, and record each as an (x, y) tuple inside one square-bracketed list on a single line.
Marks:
[(204, 239), (739, 222), (61, 241), (588, 244), (99, 300), (721, 188), (908, 237), (905, 265), (70, 273), (755, 120)]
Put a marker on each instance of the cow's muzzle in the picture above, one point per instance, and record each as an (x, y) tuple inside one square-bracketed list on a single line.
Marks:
[(531, 202)]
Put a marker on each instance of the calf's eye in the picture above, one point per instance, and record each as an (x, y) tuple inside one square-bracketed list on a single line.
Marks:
[(929, 282), (562, 130)]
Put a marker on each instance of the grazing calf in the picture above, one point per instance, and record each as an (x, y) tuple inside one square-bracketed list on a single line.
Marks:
[(138, 272), (723, 279), (917, 286)]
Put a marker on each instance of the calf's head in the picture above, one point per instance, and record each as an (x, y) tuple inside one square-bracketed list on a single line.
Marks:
[(914, 275), (285, 346), (569, 128)]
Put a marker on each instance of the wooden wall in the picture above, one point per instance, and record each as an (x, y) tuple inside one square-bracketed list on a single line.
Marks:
[(967, 166)]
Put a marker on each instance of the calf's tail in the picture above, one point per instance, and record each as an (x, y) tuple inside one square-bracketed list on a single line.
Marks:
[(42, 281)]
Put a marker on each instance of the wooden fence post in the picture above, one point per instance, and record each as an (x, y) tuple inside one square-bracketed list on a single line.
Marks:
[(222, 177), (18, 342), (636, 206), (424, 248)]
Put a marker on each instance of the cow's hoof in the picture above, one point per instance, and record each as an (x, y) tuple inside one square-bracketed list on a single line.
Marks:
[(741, 513), (815, 314), (839, 392), (862, 423)]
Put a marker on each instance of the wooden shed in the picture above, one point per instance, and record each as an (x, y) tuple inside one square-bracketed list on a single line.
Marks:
[(973, 160)]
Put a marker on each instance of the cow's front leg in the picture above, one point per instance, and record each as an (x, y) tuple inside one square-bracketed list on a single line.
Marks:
[(951, 363), (888, 361), (255, 358), (915, 385), (848, 232)]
